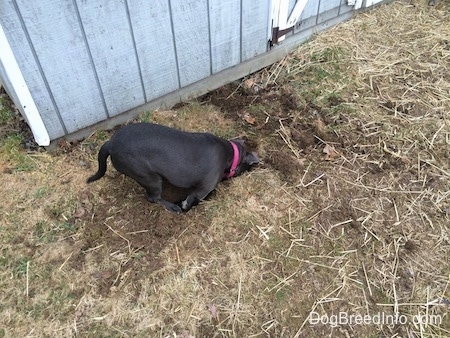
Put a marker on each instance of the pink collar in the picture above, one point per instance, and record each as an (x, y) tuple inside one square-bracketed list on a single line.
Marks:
[(235, 162)]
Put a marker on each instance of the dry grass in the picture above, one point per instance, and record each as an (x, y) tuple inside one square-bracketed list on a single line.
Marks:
[(348, 213)]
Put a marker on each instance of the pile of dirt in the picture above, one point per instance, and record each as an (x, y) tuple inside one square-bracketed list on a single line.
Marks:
[(283, 127)]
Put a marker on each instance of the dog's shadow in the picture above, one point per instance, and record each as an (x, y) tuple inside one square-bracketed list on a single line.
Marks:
[(174, 194)]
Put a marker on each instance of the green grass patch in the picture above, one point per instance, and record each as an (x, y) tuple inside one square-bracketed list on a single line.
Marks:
[(46, 232), (97, 139), (329, 54), (7, 113), (12, 147), (41, 192), (146, 116), (21, 266)]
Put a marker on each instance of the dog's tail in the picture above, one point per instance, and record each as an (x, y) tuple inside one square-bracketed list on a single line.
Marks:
[(102, 157)]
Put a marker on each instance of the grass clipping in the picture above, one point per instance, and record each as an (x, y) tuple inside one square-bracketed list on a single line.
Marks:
[(348, 213)]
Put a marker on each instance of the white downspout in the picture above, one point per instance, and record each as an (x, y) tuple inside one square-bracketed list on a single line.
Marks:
[(20, 88)]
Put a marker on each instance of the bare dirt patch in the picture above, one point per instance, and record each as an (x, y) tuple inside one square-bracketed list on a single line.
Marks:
[(129, 225)]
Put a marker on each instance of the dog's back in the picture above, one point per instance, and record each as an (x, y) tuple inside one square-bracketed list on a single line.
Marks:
[(182, 158)]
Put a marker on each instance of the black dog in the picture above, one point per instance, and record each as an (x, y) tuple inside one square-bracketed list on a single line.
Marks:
[(149, 152)]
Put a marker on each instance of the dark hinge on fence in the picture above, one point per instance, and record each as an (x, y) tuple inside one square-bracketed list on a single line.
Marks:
[(278, 33)]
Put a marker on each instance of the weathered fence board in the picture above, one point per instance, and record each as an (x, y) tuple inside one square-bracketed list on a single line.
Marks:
[(110, 42), (225, 26), (191, 30), (255, 28), (152, 24)]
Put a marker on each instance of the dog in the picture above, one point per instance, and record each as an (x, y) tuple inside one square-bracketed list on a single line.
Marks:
[(149, 153)]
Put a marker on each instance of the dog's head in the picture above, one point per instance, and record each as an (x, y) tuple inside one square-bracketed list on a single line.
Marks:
[(245, 158)]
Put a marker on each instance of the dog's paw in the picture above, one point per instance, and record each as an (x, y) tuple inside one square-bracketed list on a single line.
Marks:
[(174, 208), (185, 205), (188, 203)]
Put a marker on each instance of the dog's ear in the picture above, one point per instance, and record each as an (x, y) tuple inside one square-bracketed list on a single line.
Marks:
[(251, 158), (239, 141)]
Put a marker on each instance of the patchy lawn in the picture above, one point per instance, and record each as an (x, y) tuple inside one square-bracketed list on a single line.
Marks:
[(347, 216)]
